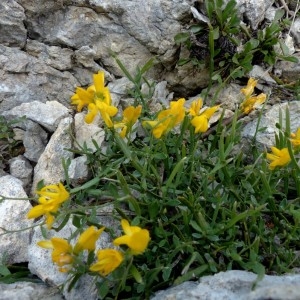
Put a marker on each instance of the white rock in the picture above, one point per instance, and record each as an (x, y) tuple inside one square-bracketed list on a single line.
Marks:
[(14, 245), (49, 166), (46, 114), (84, 133)]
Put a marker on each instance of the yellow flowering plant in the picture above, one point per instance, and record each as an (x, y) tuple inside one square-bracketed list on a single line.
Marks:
[(188, 201)]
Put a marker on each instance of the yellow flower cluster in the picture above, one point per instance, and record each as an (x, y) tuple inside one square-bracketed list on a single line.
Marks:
[(251, 101), (50, 200), (64, 254)]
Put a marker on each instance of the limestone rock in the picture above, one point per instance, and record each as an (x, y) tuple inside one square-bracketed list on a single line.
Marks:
[(28, 291), (84, 133), (295, 30), (235, 285), (46, 114), (49, 166), (78, 170), (12, 30), (20, 168), (266, 137), (35, 140), (53, 56), (24, 78), (14, 246)]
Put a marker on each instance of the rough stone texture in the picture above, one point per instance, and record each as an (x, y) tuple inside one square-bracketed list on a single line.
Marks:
[(49, 166), (21, 168), (12, 30), (46, 114), (235, 285), (295, 30), (10, 212), (84, 133), (53, 56), (78, 171), (25, 78), (35, 139), (288, 71), (266, 137), (29, 291)]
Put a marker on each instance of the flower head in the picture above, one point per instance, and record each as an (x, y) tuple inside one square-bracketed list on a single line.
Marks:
[(167, 119), (50, 200), (108, 261), (87, 240), (278, 157), (249, 89), (97, 98), (251, 103), (130, 116), (200, 119), (135, 238), (61, 254), (295, 138)]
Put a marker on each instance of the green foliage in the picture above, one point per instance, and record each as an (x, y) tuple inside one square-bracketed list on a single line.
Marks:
[(7, 143), (224, 34)]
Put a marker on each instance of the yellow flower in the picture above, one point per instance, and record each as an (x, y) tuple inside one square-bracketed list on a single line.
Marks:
[(106, 111), (108, 261), (295, 138), (249, 89), (167, 119), (61, 254), (135, 238), (130, 116), (278, 157), (87, 240), (251, 103), (200, 120), (50, 200), (92, 96)]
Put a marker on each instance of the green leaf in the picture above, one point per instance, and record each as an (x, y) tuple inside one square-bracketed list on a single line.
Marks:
[(181, 37)]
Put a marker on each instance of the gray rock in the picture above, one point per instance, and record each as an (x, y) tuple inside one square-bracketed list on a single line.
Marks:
[(56, 57), (295, 30), (12, 30), (21, 168), (35, 140), (266, 137), (46, 114), (78, 170), (25, 78), (161, 94), (85, 133), (29, 291), (235, 285), (288, 71), (14, 245), (49, 166)]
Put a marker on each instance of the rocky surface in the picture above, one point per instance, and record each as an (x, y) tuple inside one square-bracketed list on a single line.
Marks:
[(47, 48)]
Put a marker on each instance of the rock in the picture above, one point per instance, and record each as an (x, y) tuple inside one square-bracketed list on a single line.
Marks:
[(287, 70), (20, 168), (295, 30), (235, 285), (85, 133), (78, 171), (46, 114), (35, 140), (161, 94), (29, 291), (49, 166), (14, 245), (25, 78), (266, 137), (260, 74), (12, 30), (53, 56)]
